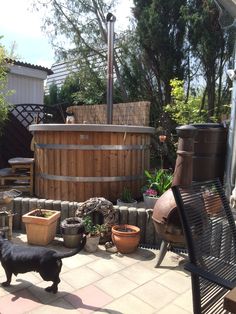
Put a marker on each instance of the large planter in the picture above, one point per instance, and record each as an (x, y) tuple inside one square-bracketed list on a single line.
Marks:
[(41, 230), (126, 238), (149, 201), (72, 230)]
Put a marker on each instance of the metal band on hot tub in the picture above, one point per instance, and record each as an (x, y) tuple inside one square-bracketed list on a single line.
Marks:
[(92, 147), (89, 179)]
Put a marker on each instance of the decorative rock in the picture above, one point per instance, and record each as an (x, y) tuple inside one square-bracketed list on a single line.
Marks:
[(123, 215), (17, 205), (41, 203), (49, 204), (72, 209), (150, 231), (141, 223), (132, 218), (100, 205), (64, 210), (25, 209), (33, 203)]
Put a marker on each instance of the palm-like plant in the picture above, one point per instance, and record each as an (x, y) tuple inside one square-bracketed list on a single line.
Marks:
[(159, 180)]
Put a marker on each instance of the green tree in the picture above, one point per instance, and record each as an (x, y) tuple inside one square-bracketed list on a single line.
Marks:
[(4, 93), (161, 31), (212, 46), (78, 31), (185, 109)]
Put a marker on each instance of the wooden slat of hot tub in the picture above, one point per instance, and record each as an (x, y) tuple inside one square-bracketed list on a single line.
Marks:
[(64, 166), (114, 156), (135, 160), (81, 163), (57, 170), (98, 162), (71, 161), (98, 171), (105, 186), (88, 157), (128, 163)]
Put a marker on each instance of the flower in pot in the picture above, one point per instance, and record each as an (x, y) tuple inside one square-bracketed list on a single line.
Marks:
[(41, 225), (126, 238), (158, 182), (93, 234), (72, 230), (126, 198)]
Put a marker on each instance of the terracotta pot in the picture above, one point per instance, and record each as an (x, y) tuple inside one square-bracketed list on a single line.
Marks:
[(213, 203), (41, 230), (126, 238)]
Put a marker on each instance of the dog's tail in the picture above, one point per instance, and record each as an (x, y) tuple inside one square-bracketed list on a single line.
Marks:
[(73, 252)]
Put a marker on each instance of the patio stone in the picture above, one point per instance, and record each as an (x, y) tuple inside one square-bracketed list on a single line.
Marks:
[(60, 306), (80, 277), (179, 283), (116, 285), (19, 302), (46, 298), (139, 274), (88, 299), (106, 267), (185, 301), (172, 309), (102, 283), (155, 294), (77, 260), (130, 304)]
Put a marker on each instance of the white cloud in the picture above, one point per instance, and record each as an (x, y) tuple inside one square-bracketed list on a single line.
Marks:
[(22, 25), (17, 17)]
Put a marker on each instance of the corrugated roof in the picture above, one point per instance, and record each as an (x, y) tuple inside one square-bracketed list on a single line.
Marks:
[(29, 65)]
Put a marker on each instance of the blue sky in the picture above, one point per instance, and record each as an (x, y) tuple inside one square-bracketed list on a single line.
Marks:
[(19, 24)]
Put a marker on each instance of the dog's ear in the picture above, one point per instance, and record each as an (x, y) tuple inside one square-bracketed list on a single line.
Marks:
[(2, 235)]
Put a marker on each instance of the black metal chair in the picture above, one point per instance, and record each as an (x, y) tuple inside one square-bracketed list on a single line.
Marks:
[(210, 234)]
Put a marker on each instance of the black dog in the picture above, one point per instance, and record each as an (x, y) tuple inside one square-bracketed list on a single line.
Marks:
[(17, 259)]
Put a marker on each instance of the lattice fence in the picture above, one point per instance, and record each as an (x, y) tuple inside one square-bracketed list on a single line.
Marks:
[(28, 113)]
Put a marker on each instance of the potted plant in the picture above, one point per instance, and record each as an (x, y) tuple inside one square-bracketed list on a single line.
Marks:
[(126, 238), (93, 234), (41, 225), (126, 198), (72, 230), (158, 182), (212, 200)]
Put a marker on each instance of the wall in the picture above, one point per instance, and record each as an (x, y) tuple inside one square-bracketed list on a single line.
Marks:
[(133, 113), (27, 83), (140, 217)]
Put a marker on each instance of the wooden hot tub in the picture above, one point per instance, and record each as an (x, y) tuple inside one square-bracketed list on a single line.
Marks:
[(77, 161)]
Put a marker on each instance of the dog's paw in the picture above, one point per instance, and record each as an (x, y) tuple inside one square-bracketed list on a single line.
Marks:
[(5, 284), (51, 289)]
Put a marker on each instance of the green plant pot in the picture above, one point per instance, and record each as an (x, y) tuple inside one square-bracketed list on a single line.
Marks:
[(72, 240)]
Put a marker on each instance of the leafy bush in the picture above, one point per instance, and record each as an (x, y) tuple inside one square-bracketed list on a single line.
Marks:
[(185, 110), (4, 105), (159, 180)]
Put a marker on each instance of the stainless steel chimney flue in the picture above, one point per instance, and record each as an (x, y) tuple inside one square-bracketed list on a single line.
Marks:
[(110, 55)]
